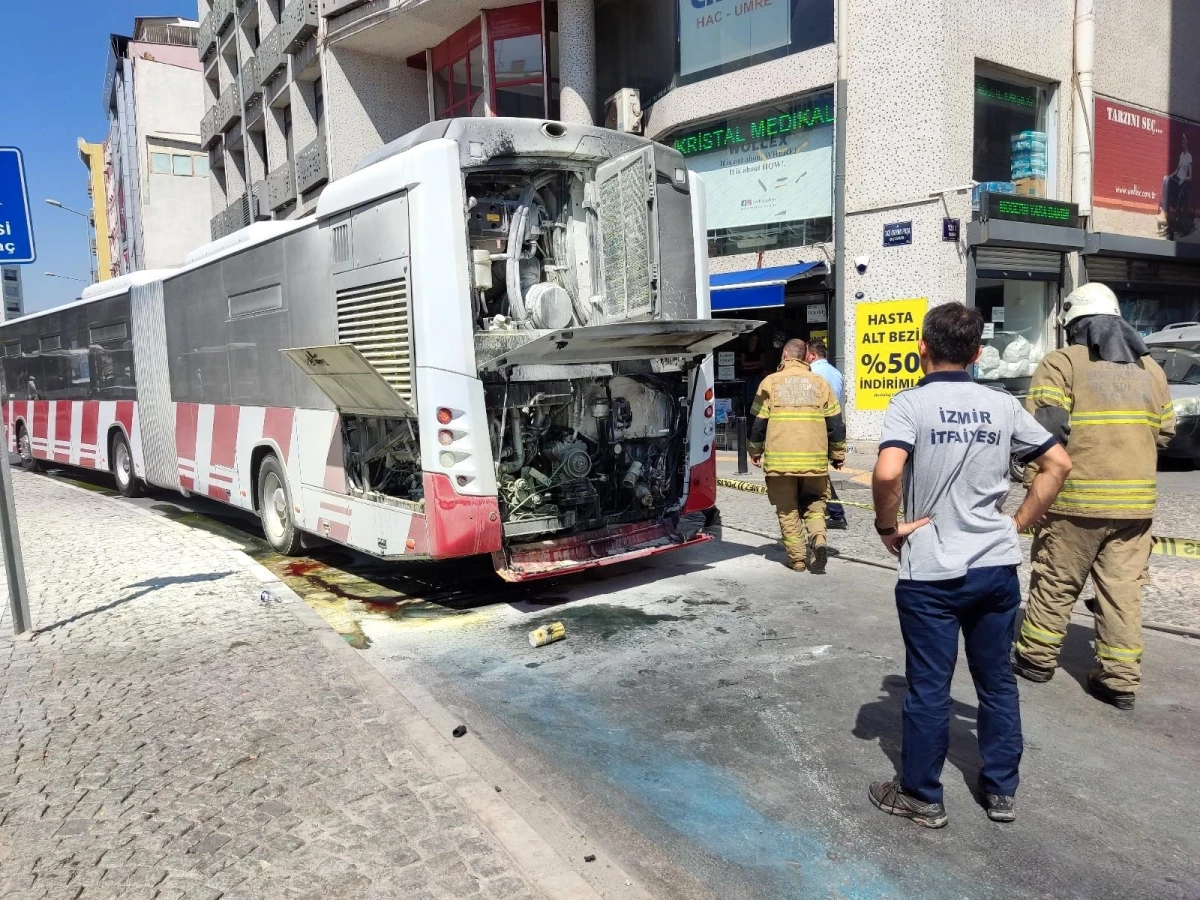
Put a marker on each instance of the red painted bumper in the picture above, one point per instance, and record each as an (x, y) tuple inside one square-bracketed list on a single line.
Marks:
[(459, 524), (564, 556)]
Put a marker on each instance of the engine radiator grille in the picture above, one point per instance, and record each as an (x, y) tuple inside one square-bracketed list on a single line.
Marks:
[(625, 242), (374, 318)]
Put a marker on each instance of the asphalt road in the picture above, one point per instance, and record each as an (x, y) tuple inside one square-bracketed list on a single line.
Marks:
[(712, 719)]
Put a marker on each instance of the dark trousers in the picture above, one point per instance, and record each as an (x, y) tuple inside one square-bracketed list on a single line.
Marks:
[(833, 509), (983, 604)]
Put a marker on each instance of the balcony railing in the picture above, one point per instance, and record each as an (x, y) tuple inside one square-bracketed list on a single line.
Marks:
[(306, 62), (254, 110), (259, 208), (216, 154), (270, 56), (206, 37), (281, 187), (331, 8), (208, 127), (244, 8), (312, 165), (251, 85), (229, 108), (222, 14), (300, 19), (238, 214)]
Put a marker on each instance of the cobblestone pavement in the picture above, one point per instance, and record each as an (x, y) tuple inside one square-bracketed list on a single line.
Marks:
[(166, 735), (1172, 597)]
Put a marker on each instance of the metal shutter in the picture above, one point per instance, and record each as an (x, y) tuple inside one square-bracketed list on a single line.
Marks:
[(625, 190), (1007, 262), (1120, 270)]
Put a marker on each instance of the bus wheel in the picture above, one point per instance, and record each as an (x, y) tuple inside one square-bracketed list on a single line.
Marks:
[(121, 462), (29, 462), (275, 508)]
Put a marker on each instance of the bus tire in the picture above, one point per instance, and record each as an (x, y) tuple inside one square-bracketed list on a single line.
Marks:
[(275, 508), (121, 463), (29, 462)]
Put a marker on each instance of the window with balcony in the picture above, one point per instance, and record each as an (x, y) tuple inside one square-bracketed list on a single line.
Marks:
[(521, 78)]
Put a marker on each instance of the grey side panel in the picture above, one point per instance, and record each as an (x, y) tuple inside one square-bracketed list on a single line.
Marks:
[(156, 416), (676, 249)]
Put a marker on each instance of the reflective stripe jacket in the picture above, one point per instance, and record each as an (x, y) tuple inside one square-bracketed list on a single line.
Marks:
[(1112, 418), (797, 425)]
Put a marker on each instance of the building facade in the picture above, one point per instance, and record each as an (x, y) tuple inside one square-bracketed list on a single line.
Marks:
[(95, 159), (14, 296), (154, 174), (978, 167)]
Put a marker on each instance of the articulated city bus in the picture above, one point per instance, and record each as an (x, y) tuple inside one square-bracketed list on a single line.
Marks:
[(491, 337)]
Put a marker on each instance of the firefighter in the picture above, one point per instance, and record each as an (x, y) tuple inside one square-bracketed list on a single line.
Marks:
[(1108, 402), (797, 432)]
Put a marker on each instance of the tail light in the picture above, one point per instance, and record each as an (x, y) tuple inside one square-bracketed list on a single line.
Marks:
[(708, 394), (708, 412), (445, 437), (444, 415)]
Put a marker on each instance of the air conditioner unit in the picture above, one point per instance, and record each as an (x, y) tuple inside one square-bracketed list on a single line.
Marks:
[(623, 111)]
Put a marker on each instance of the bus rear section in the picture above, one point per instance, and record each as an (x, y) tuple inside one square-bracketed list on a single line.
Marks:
[(559, 414)]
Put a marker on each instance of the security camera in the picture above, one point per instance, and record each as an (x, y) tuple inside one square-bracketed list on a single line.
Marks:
[(860, 263)]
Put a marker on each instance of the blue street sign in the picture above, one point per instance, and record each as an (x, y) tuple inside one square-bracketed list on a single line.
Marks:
[(16, 225)]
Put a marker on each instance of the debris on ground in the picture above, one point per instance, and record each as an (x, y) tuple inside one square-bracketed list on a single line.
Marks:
[(459, 730), (591, 857), (547, 634)]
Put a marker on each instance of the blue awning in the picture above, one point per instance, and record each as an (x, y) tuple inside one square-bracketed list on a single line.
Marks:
[(757, 288)]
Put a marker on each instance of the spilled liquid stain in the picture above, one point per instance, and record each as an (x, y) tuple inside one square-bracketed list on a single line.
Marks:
[(606, 621)]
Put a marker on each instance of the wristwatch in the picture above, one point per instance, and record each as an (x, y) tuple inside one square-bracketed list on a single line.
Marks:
[(886, 532)]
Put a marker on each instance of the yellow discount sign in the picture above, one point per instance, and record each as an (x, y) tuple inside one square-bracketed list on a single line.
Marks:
[(885, 349)]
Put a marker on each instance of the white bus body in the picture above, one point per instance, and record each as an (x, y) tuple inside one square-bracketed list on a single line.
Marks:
[(490, 338)]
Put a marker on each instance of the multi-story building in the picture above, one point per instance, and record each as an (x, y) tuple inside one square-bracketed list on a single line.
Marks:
[(95, 159), (155, 174), (941, 96), (14, 296)]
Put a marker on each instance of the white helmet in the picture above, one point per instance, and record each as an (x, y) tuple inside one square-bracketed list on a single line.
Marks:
[(1093, 299)]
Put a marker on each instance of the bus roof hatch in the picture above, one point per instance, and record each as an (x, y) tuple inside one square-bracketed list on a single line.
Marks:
[(354, 385)]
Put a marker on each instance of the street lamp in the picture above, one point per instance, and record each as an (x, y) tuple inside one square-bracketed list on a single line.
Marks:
[(87, 218), (67, 277)]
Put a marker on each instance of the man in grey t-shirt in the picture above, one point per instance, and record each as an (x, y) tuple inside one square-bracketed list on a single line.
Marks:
[(945, 455)]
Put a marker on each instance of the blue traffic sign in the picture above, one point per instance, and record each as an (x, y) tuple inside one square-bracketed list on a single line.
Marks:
[(16, 225)]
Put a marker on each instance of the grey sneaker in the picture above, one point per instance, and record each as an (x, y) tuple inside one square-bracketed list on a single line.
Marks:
[(999, 807), (890, 797)]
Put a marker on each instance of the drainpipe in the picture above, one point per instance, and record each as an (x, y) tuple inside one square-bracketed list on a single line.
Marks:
[(1081, 134), (837, 319)]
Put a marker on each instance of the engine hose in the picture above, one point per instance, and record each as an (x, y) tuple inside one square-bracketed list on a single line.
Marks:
[(516, 240)]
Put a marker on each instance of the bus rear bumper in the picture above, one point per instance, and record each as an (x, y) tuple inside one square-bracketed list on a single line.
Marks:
[(577, 553)]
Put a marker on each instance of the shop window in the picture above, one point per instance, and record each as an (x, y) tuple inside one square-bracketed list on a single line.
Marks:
[(1018, 329), (768, 175), (1014, 136)]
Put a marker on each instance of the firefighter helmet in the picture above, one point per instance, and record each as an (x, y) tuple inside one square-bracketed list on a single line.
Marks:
[(1093, 299)]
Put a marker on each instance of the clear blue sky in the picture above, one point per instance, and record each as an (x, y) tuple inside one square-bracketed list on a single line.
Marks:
[(55, 52)]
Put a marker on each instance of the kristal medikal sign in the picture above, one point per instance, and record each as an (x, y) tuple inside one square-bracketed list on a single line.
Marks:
[(766, 166), (715, 32)]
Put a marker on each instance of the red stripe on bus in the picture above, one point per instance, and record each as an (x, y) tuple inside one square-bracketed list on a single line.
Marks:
[(218, 493), (277, 427), (418, 536), (224, 437), (41, 419), (62, 425), (125, 416), (335, 464), (187, 482), (336, 531), (187, 417), (91, 423)]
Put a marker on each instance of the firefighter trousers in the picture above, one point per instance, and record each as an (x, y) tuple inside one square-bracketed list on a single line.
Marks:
[(1116, 553), (799, 502)]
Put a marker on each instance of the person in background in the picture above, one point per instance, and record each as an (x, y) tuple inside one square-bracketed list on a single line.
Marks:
[(946, 451), (1109, 402), (818, 361), (752, 365), (797, 433)]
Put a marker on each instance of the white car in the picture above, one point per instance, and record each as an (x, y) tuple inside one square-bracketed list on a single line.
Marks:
[(1177, 349)]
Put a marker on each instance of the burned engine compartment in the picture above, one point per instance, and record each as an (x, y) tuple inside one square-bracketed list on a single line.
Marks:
[(382, 457), (586, 453)]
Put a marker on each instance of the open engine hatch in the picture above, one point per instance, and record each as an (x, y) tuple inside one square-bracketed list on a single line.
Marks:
[(345, 376), (653, 339)]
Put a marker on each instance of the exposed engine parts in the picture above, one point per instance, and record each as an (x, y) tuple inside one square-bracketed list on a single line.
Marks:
[(382, 457), (531, 250), (588, 452)]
